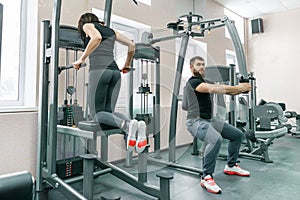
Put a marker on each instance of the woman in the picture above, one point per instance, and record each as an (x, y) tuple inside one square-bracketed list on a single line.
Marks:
[(105, 78)]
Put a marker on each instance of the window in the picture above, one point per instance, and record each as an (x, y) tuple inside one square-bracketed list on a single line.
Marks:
[(195, 48), (120, 56), (9, 86), (147, 2), (239, 24), (18, 63), (231, 59)]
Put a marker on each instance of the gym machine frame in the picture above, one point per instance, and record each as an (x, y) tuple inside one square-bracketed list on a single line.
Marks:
[(179, 32), (48, 128), (263, 138)]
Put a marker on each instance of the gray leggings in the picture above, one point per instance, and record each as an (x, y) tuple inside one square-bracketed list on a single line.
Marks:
[(211, 132), (103, 91)]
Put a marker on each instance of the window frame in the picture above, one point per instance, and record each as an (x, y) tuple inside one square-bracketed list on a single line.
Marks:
[(27, 61), (122, 100), (199, 48), (232, 56), (146, 2)]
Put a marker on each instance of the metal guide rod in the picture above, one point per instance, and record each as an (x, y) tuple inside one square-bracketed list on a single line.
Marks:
[(147, 84), (75, 77), (232, 113), (66, 77), (43, 102), (52, 146), (156, 129), (252, 100)]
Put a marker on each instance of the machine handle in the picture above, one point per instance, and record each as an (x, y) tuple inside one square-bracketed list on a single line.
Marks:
[(60, 69)]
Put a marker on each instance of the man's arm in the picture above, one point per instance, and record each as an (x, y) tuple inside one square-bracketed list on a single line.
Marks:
[(223, 89)]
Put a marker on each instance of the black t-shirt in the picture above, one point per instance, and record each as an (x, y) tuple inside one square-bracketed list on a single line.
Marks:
[(198, 104), (103, 55)]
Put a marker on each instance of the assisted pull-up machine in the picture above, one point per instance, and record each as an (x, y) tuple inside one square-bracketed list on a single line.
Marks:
[(47, 177)]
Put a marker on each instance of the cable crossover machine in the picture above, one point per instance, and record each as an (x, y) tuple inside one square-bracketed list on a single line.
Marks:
[(190, 25)]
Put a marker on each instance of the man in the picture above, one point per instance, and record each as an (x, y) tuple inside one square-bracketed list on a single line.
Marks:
[(197, 101)]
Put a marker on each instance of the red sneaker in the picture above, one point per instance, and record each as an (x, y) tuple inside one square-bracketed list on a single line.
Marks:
[(210, 185), (141, 142), (236, 170), (131, 137)]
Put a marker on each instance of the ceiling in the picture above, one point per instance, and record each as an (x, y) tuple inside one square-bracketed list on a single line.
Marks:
[(254, 8)]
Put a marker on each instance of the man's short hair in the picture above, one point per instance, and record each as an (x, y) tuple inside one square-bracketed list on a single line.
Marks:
[(192, 61)]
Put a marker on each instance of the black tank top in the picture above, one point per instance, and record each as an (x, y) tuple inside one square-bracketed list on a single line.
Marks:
[(103, 56)]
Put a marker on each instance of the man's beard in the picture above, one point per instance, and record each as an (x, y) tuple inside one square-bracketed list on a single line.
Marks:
[(197, 74)]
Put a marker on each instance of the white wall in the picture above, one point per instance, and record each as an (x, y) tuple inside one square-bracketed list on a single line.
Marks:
[(274, 58), (18, 142)]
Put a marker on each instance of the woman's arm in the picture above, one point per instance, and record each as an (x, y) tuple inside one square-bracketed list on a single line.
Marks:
[(94, 42), (131, 49)]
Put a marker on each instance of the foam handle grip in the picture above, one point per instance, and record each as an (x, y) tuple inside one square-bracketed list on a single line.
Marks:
[(71, 66), (243, 80), (16, 186), (60, 69)]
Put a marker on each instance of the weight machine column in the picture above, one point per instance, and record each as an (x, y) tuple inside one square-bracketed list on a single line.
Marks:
[(107, 12), (164, 183), (129, 155), (43, 102), (156, 109), (174, 107), (252, 103), (232, 104), (88, 176), (52, 146)]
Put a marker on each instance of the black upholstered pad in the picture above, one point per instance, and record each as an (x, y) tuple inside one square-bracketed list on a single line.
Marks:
[(96, 127), (271, 134)]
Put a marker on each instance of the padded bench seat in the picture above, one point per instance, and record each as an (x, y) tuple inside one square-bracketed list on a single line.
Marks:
[(271, 134), (100, 128), (265, 139)]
